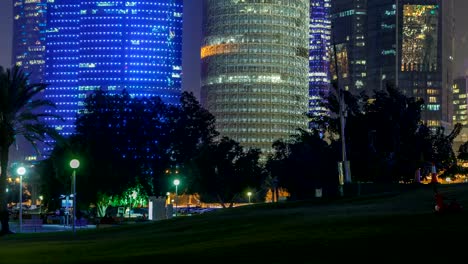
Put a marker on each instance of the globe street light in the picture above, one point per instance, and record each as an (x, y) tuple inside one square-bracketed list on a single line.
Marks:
[(74, 164), (249, 194), (21, 171), (176, 183)]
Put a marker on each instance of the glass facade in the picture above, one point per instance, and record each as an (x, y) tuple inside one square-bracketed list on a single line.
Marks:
[(419, 47), (255, 65), (460, 101), (28, 53), (414, 51), (381, 44), (350, 37), (29, 28), (62, 60), (460, 107), (112, 45), (319, 54)]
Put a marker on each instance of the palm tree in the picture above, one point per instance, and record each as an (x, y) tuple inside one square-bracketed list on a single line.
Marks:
[(19, 116)]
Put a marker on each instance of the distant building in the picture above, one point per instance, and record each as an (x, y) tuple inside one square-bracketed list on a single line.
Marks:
[(417, 48), (407, 44), (255, 66), (319, 55), (460, 105), (112, 46), (349, 39), (460, 101), (28, 53), (29, 38)]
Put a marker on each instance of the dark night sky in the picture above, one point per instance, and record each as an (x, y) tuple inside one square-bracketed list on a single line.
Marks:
[(192, 36)]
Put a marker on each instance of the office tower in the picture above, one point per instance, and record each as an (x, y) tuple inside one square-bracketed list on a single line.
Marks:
[(423, 59), (29, 26), (349, 29), (460, 105), (28, 53), (112, 46), (319, 55), (62, 64), (255, 65), (460, 101)]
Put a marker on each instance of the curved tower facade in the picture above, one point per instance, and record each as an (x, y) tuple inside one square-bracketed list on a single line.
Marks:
[(255, 65), (112, 46)]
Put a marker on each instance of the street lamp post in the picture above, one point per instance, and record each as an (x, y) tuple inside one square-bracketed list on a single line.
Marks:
[(249, 194), (40, 206), (74, 164), (21, 171), (176, 183)]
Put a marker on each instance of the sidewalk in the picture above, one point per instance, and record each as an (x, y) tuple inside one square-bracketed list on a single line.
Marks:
[(14, 226)]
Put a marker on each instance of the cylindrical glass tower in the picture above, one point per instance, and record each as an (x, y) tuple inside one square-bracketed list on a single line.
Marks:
[(255, 65)]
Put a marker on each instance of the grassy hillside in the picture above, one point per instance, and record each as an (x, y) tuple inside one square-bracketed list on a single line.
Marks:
[(380, 230)]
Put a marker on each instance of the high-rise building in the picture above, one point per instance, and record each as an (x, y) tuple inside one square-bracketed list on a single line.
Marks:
[(319, 55), (62, 64), (112, 46), (460, 106), (28, 53), (29, 37), (255, 65), (349, 30), (460, 101), (413, 40)]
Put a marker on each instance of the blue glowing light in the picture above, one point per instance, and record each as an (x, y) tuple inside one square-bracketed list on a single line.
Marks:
[(114, 45)]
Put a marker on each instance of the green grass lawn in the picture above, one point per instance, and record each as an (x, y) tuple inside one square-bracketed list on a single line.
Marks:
[(390, 229)]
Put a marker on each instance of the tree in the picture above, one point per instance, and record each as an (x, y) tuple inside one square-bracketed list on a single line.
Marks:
[(225, 170), (386, 138), (190, 127), (19, 116), (463, 152), (442, 151), (305, 163), (123, 140)]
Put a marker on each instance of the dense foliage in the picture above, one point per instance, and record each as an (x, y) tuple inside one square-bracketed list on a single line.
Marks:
[(386, 141), (124, 141), (224, 172), (21, 111)]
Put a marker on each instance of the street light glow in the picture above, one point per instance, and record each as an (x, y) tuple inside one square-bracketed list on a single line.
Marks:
[(176, 182), (74, 163), (21, 171)]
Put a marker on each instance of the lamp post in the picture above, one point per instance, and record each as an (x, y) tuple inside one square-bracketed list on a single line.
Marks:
[(249, 194), (40, 206), (74, 164), (176, 183), (21, 171)]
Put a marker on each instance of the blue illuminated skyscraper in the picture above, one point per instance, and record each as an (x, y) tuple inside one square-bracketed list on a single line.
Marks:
[(319, 54), (29, 37), (29, 44), (113, 45)]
